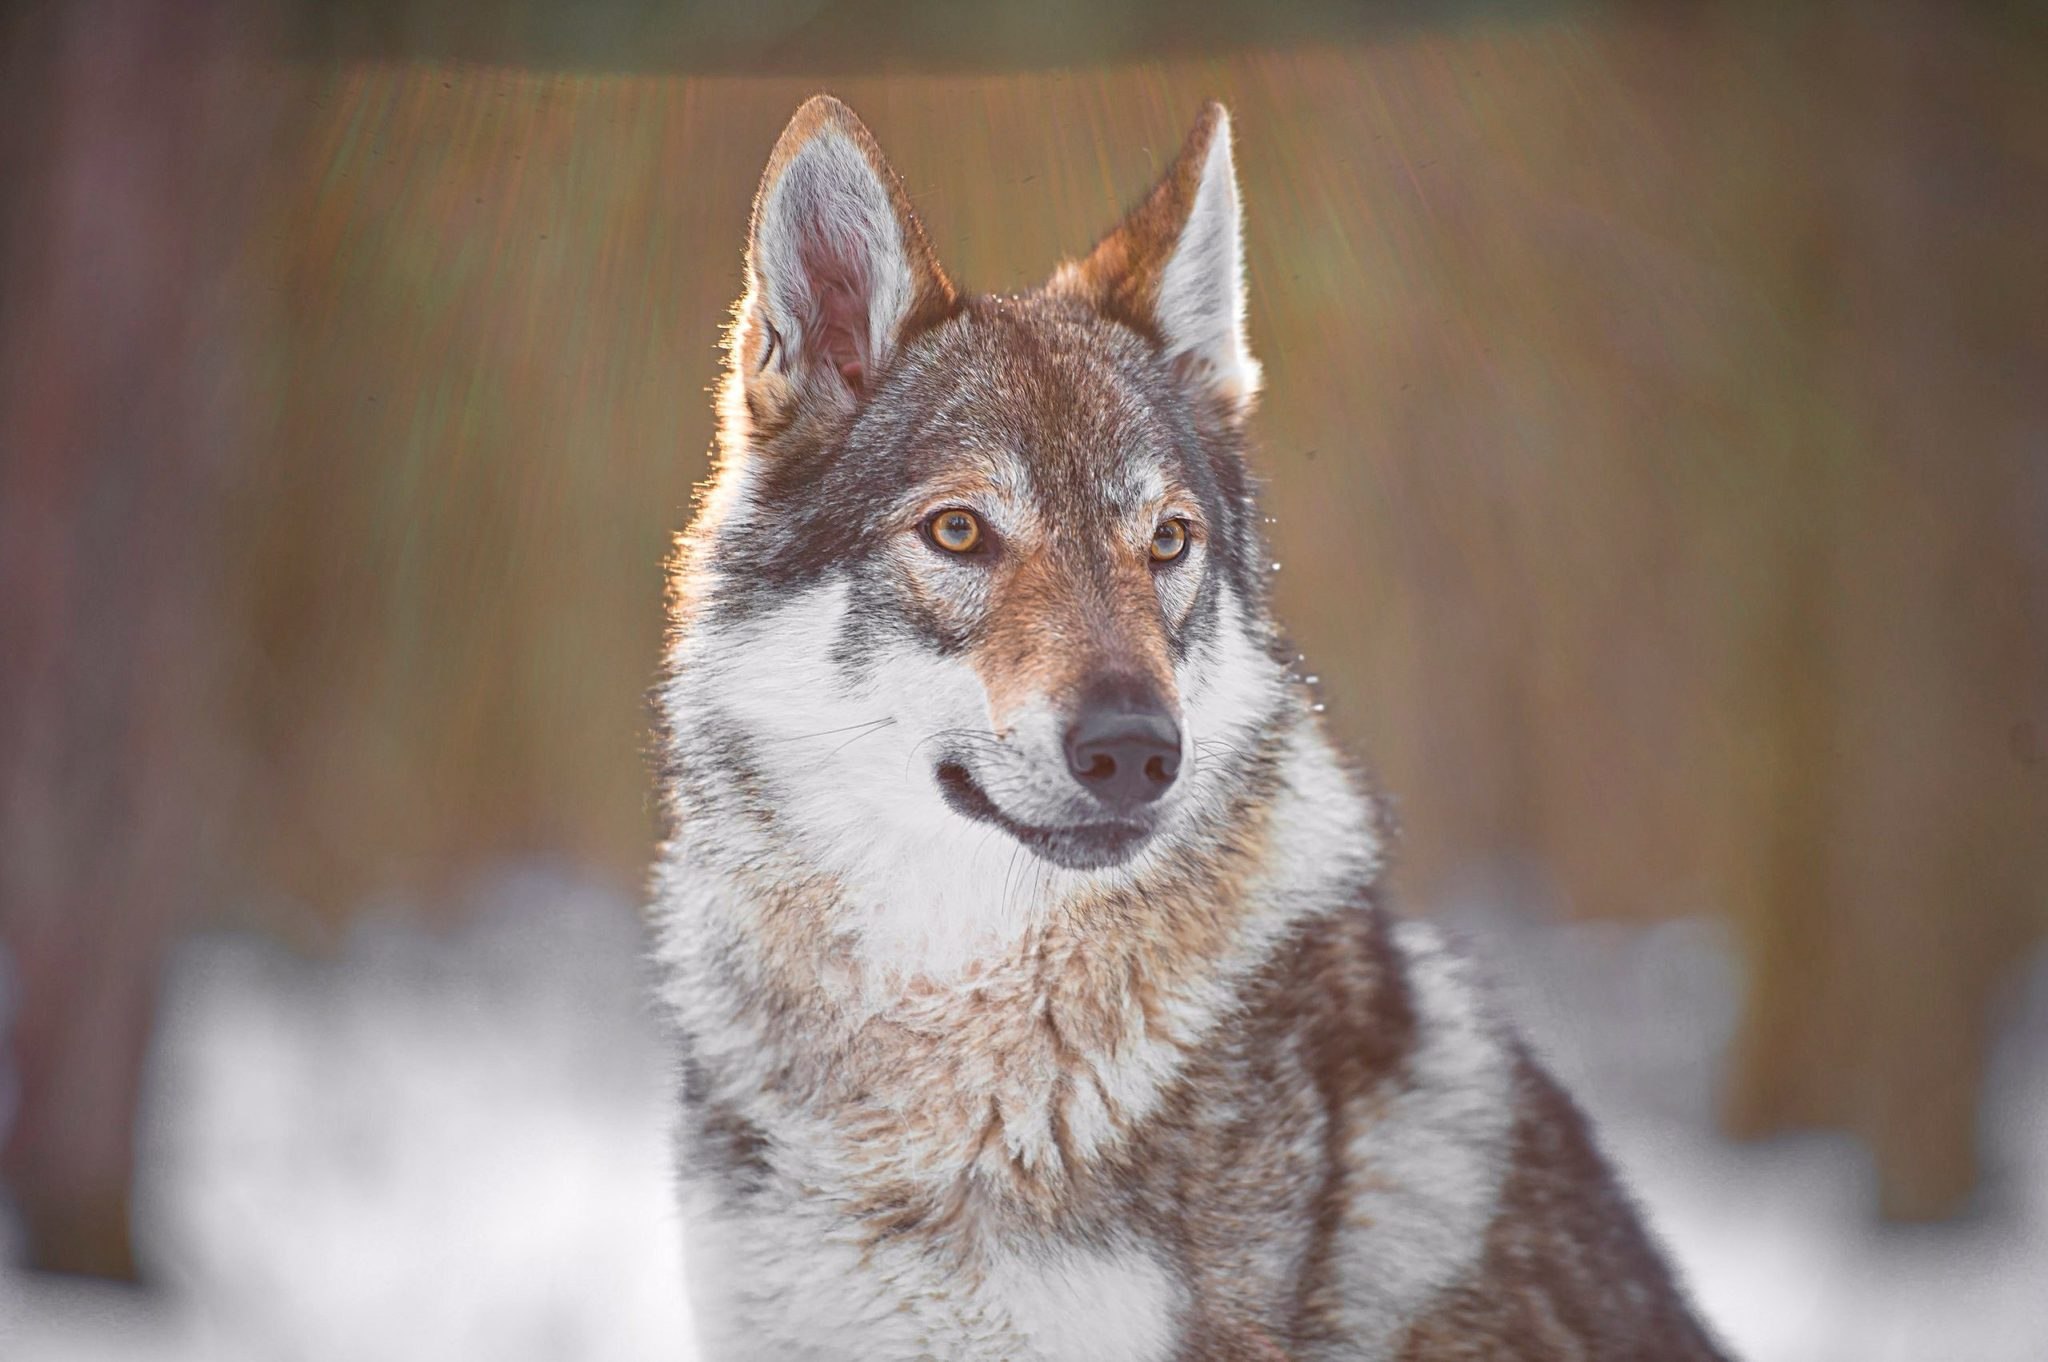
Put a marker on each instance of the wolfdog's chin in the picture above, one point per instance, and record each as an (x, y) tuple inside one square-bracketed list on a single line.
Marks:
[(1097, 845)]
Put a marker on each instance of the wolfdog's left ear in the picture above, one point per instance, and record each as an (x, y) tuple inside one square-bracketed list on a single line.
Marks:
[(1174, 268), (839, 273)]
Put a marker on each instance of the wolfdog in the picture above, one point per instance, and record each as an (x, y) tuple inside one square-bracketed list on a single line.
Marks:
[(1016, 917)]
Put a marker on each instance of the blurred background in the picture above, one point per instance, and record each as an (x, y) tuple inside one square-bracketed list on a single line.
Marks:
[(1657, 443)]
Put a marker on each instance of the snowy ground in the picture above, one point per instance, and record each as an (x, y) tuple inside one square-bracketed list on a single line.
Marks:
[(454, 1147)]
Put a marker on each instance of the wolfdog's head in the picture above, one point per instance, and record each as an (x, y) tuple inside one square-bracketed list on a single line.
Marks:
[(975, 599)]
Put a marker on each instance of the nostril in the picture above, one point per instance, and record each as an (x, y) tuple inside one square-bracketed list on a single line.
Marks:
[(1133, 764)]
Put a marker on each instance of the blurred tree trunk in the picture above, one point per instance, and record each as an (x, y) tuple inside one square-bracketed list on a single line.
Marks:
[(1900, 831), (1933, 596), (111, 436)]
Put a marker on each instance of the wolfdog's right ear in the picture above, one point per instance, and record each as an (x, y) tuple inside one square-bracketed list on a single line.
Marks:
[(839, 273)]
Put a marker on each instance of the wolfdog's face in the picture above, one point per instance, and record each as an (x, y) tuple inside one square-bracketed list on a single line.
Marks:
[(978, 583)]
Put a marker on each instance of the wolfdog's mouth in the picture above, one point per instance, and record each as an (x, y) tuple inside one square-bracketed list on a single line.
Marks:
[(1082, 846)]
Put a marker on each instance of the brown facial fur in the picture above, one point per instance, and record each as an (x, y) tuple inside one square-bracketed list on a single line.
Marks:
[(1055, 625)]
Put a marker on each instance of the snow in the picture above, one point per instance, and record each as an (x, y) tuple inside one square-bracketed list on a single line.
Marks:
[(456, 1146), (427, 1148), (1778, 1240)]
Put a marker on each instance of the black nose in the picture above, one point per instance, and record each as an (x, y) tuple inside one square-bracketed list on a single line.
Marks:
[(1124, 746)]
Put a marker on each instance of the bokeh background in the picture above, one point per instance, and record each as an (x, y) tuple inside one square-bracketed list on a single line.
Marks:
[(1657, 445)]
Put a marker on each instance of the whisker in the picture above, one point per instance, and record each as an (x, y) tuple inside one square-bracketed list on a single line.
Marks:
[(1008, 902), (872, 730), (982, 845), (966, 737), (827, 732)]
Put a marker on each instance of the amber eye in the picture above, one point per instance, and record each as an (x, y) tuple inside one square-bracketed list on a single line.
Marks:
[(1170, 540), (954, 530)]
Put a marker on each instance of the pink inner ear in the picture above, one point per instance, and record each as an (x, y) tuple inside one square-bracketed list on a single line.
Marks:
[(836, 332)]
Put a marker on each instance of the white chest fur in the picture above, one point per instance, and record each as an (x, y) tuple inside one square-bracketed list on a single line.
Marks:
[(1093, 1305), (790, 1287)]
